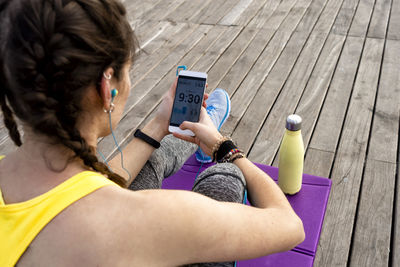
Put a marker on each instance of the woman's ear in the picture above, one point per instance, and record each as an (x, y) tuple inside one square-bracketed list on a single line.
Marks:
[(105, 88)]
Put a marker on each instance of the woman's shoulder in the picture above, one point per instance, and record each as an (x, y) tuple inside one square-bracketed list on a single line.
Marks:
[(90, 226)]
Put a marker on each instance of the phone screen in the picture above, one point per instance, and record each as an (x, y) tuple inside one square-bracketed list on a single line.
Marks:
[(188, 100)]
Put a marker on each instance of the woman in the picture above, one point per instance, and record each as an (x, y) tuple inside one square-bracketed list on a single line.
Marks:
[(60, 61)]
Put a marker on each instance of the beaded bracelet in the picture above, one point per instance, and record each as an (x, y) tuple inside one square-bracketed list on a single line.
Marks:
[(218, 145), (236, 156), (226, 151), (232, 155)]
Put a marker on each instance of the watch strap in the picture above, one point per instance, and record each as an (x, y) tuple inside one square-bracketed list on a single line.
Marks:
[(139, 134)]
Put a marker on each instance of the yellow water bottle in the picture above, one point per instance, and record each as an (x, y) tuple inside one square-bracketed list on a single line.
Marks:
[(291, 157)]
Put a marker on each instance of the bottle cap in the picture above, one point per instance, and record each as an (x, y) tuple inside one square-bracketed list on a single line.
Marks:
[(293, 122)]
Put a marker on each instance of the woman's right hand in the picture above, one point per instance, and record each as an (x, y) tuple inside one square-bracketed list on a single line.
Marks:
[(206, 134)]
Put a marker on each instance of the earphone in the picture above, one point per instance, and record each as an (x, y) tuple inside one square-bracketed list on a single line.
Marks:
[(114, 93)]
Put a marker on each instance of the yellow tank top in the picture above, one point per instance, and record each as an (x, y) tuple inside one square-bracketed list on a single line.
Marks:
[(21, 222)]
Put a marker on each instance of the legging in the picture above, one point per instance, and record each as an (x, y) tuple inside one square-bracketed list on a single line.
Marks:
[(222, 182)]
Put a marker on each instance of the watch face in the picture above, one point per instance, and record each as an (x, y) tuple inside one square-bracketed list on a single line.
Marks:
[(188, 100)]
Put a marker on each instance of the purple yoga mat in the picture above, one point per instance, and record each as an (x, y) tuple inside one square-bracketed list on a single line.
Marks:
[(284, 259), (309, 204)]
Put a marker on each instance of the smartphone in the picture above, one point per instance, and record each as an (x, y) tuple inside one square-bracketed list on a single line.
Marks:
[(188, 100)]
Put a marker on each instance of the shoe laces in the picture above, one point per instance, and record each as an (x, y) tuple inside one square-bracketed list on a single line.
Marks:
[(210, 109)]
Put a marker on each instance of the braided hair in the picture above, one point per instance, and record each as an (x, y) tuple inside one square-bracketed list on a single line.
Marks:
[(51, 51)]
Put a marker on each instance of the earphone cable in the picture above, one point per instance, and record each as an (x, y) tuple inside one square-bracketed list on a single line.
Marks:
[(104, 159), (119, 149)]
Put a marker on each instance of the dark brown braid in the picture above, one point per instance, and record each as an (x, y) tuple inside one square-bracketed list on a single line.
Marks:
[(10, 122), (7, 113), (54, 50)]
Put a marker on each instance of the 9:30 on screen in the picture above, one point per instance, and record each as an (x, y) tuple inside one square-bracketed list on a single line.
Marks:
[(189, 98)]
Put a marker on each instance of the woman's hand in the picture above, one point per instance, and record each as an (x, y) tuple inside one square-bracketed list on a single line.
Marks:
[(206, 134), (163, 113)]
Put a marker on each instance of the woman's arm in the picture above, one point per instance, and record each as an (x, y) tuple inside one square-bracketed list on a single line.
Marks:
[(263, 191), (171, 228), (137, 152)]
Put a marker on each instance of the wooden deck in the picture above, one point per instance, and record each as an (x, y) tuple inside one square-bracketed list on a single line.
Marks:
[(334, 62)]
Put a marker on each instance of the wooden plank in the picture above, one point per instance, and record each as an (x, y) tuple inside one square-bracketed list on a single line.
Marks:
[(4, 135), (306, 3), (328, 16), (350, 160), (395, 249), (282, 13), (214, 12), (317, 162), (211, 56), (161, 10), (138, 9), (1, 121), (345, 17), (235, 12), (148, 31), (187, 10), (242, 67), (208, 42), (327, 131), (265, 13), (247, 90), (7, 145), (138, 113), (311, 16), (371, 242), (207, 11), (229, 57), (152, 35), (383, 144), (315, 92), (144, 29), (380, 19), (271, 129), (159, 36), (144, 65), (244, 16), (394, 23), (362, 18), (157, 73), (252, 120)]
